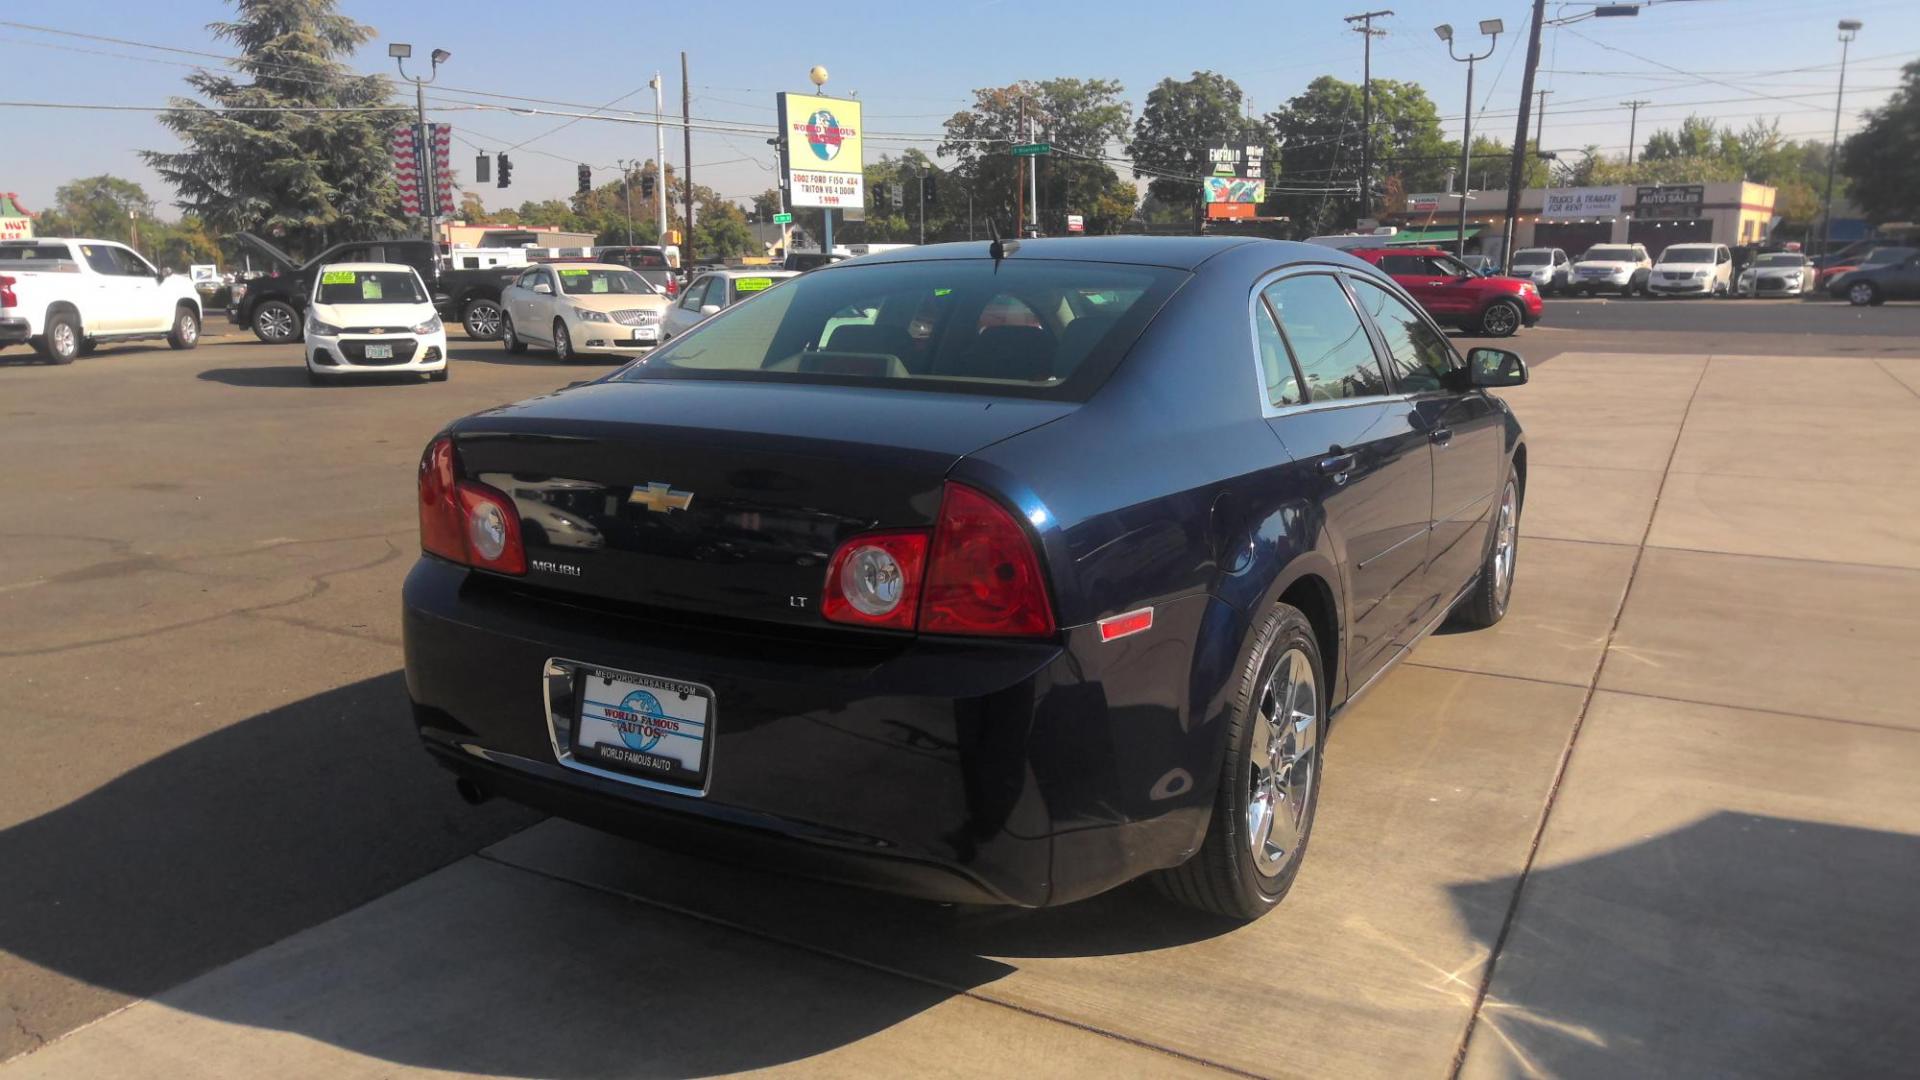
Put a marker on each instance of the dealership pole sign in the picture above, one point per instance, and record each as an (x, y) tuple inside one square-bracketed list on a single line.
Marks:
[(1585, 202), (1239, 175), (821, 161), (1680, 201)]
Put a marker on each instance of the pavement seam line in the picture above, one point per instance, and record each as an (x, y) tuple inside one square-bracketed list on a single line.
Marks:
[(871, 965), (1891, 375), (1566, 753)]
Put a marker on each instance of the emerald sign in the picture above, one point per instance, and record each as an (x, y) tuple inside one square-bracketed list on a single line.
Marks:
[(783, 219), (1031, 149)]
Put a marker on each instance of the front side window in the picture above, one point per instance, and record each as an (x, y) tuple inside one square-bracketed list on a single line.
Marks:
[(526, 280), (133, 265), (1418, 354), (1020, 328), (1328, 341), (695, 294)]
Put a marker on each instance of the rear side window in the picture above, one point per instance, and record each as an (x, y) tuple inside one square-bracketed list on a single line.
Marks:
[(1038, 328), (1283, 388), (1327, 339), (1405, 265), (1418, 354)]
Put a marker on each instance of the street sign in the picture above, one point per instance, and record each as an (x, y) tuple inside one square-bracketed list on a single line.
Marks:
[(1031, 149), (783, 219), (1076, 223)]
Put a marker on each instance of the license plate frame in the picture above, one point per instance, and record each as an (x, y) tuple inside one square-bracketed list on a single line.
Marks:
[(643, 741), (382, 351), (647, 334)]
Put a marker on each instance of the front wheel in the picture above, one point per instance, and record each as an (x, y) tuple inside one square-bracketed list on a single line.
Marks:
[(1501, 319), (1270, 782), (482, 319), (276, 323), (562, 342), (1487, 603), (1862, 293), (508, 338), (186, 329)]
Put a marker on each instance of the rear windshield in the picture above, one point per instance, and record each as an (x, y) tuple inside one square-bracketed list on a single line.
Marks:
[(35, 252), (1533, 258), (1611, 254), (1039, 328), (596, 281), (369, 287), (1687, 255)]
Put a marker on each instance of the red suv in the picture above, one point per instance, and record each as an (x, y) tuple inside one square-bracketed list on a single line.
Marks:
[(1456, 296)]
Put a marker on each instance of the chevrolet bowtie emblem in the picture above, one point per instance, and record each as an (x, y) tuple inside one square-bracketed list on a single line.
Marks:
[(660, 498)]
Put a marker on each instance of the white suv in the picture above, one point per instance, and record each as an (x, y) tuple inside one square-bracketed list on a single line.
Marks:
[(1619, 268), (1548, 268), (1693, 270)]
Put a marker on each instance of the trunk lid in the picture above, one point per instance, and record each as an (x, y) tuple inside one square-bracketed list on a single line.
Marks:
[(722, 499)]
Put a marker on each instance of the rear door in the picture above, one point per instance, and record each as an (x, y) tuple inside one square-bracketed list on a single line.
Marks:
[(1463, 428), (1368, 449)]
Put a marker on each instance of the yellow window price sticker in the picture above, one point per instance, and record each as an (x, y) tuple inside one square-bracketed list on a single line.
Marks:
[(575, 273), (337, 277), (752, 284)]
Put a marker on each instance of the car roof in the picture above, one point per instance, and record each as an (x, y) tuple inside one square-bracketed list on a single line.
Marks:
[(400, 267), (748, 271), (1402, 250), (1177, 252), (577, 264)]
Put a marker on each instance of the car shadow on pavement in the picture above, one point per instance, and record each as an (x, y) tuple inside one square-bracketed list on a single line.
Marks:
[(294, 376), (325, 816), (492, 352), (1740, 945)]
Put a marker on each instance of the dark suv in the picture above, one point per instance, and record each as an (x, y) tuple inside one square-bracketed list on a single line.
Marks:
[(1456, 296)]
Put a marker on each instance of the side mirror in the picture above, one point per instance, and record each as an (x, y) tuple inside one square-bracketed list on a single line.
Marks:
[(710, 309), (1492, 368), (543, 288)]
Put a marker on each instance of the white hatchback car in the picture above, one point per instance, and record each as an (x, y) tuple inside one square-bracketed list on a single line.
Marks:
[(1693, 270), (373, 319)]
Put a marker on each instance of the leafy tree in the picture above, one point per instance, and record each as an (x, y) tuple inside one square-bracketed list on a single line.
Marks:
[(766, 204), (1179, 124), (305, 178), (472, 207), (1697, 137), (1491, 161), (1882, 161), (1320, 140), (1080, 118), (110, 208)]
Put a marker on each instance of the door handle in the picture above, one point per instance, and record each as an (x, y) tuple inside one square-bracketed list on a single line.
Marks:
[(1339, 465), (1440, 436)]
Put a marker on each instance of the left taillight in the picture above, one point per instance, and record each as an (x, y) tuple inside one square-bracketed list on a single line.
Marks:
[(466, 522), (7, 298)]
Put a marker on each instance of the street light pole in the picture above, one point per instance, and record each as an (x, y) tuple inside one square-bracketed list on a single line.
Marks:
[(423, 154), (626, 184), (1491, 28), (1368, 33), (659, 153), (1848, 28)]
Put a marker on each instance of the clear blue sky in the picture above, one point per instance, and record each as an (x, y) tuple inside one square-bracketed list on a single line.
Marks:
[(915, 63)]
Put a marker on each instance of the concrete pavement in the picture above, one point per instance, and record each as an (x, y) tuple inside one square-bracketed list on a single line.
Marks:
[(1658, 822)]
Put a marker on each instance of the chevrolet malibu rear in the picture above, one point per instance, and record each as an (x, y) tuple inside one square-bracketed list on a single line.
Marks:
[(819, 584)]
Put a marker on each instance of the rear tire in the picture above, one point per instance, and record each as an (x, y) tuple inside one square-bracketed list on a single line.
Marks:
[(483, 320), (186, 329), (1502, 318), (1487, 603), (1263, 807), (61, 340)]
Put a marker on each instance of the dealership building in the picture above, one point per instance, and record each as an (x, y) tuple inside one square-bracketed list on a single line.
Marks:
[(1657, 215)]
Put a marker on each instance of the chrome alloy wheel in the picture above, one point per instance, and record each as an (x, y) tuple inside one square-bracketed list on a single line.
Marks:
[(1286, 741), (64, 341), (1500, 320), (276, 324), (483, 320), (1506, 542)]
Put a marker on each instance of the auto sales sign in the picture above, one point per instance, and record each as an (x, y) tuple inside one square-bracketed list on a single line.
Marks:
[(822, 163)]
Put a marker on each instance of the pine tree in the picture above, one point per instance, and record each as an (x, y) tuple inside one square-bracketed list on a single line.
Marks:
[(305, 179)]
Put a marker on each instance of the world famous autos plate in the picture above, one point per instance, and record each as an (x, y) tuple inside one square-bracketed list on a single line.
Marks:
[(643, 726)]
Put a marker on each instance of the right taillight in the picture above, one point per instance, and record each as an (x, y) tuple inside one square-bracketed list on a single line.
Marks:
[(465, 522), (7, 298), (977, 574)]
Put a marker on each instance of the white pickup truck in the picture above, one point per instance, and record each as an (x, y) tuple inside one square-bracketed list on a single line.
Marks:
[(68, 296)]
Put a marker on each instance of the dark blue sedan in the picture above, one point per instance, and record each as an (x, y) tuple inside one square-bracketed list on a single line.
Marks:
[(983, 573)]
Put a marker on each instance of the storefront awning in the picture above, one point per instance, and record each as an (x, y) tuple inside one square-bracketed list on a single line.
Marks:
[(1431, 236)]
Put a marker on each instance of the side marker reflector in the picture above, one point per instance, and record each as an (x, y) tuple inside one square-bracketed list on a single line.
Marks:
[(1132, 622)]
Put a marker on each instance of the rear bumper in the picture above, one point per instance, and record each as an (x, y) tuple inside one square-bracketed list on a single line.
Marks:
[(15, 331), (944, 769)]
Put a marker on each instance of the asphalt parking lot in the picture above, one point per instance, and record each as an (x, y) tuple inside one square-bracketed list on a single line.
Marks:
[(1658, 822)]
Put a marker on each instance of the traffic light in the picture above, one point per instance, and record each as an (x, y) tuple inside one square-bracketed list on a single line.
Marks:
[(504, 171), (482, 169), (586, 179), (932, 189), (882, 199), (646, 187)]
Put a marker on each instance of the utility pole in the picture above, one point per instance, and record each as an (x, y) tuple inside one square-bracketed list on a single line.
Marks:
[(686, 175), (1848, 28), (660, 152), (1633, 125), (1517, 166), (1368, 33)]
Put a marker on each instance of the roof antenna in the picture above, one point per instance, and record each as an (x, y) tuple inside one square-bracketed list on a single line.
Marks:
[(999, 249)]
